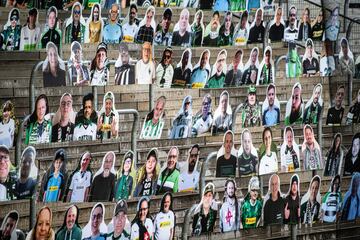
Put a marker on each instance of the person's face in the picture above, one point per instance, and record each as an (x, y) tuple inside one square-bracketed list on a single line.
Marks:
[(119, 222), (158, 111), (253, 194), (237, 59), (185, 59), (320, 17), (146, 52), (274, 185), (305, 15), (149, 16), (108, 106), (278, 15), (132, 15), (334, 15), (43, 225), (292, 16), (336, 184), (216, 18), (258, 17), (243, 22), (296, 100), (144, 209), (78, 55), (267, 57), (317, 93), (88, 109), (247, 142), (96, 13), (252, 98), (167, 58), (41, 109), (253, 56), (208, 197), (32, 19), (85, 161), (227, 22), (100, 59), (127, 164), (310, 51), (230, 189), (289, 138), (194, 153), (167, 203), (253, 76), (9, 227), (356, 147), (309, 136), (339, 96), (314, 190), (337, 142), (71, 218), (198, 18), (97, 216), (205, 107), (26, 165), (271, 96), (166, 21), (220, 63), (6, 114), (57, 164), (172, 159), (294, 188), (109, 160), (184, 20), (113, 13), (228, 143), (150, 164), (204, 60), (267, 139), (65, 106), (76, 13), (224, 103), (345, 49), (52, 20), (14, 21), (52, 56)]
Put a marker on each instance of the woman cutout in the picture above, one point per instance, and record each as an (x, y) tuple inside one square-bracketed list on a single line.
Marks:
[(43, 226), (94, 25), (53, 68), (126, 177)]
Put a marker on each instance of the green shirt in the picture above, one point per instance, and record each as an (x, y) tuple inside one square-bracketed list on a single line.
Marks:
[(251, 214), (152, 131), (75, 234), (216, 81), (168, 182)]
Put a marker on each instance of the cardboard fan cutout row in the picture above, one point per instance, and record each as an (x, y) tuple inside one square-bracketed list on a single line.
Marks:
[(86, 120), (201, 71), (271, 107), (226, 157), (145, 67), (251, 110), (197, 29), (183, 70), (289, 152), (332, 202), (294, 106), (311, 150), (108, 118), (96, 227), (78, 71), (30, 32), (268, 159), (189, 171), (313, 108), (51, 33), (10, 36), (222, 120), (126, 177), (251, 68), (274, 203), (182, 30), (124, 70), (203, 119), (277, 26), (310, 61), (53, 68), (165, 70), (154, 121), (75, 25), (292, 202), (219, 70), (182, 123), (247, 156), (94, 25), (311, 202), (164, 30), (251, 209), (168, 180)]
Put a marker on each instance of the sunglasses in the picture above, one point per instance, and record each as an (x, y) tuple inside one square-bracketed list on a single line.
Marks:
[(14, 18), (167, 56), (76, 11)]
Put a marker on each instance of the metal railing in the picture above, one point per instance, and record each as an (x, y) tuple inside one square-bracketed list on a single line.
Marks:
[(204, 168)]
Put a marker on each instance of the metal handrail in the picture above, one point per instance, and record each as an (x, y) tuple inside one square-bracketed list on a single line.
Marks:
[(18, 141), (204, 167), (135, 126)]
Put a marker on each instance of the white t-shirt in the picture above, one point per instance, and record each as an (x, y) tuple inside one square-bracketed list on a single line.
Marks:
[(268, 164), (188, 182), (129, 32), (82, 133), (145, 73), (203, 126), (3, 193), (29, 38), (228, 217), (100, 78), (164, 222), (78, 186), (7, 131), (135, 229)]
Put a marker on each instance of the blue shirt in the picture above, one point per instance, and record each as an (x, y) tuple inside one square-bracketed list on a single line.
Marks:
[(253, 5), (112, 33), (199, 78), (221, 5), (271, 117), (53, 188)]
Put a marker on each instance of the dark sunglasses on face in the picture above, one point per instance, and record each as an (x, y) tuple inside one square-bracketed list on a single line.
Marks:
[(76, 11)]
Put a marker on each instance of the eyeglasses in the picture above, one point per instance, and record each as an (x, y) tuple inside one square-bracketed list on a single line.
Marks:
[(76, 11), (187, 103), (167, 56), (206, 104), (14, 18), (194, 155), (292, 15)]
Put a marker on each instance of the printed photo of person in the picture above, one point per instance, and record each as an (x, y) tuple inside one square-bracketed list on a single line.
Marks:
[(327, 60), (53, 68), (142, 226), (291, 31), (7, 175), (11, 34), (268, 159), (318, 27), (230, 209), (313, 108), (257, 28), (39, 126), (94, 25), (310, 60), (226, 157), (293, 65), (222, 120), (30, 32), (64, 120), (241, 32), (197, 29), (305, 26), (168, 180), (124, 71), (353, 116), (247, 156), (75, 25), (332, 201), (126, 175), (119, 227), (311, 150), (70, 227), (108, 118), (130, 25), (201, 71), (182, 72), (147, 27), (346, 58), (334, 157), (100, 69), (154, 121), (25, 186), (145, 67), (274, 203), (189, 173), (164, 222), (77, 70), (332, 25), (164, 30), (147, 176), (336, 112), (294, 106), (271, 107), (105, 176), (310, 202), (112, 33), (54, 181), (235, 70), (203, 119), (8, 226), (211, 36), (182, 124), (352, 158), (96, 227), (251, 209), (251, 68), (206, 212), (43, 226), (165, 71), (8, 124), (350, 208), (266, 73), (277, 26), (292, 202), (182, 30), (251, 111), (219, 70), (289, 152), (79, 182), (51, 33)]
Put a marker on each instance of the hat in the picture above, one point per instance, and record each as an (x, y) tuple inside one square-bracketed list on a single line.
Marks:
[(101, 45), (129, 155), (254, 184), (167, 12), (121, 206), (309, 42), (15, 13), (60, 154), (108, 96), (4, 148), (252, 89), (294, 179), (209, 188)]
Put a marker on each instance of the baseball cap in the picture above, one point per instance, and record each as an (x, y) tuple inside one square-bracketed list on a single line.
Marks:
[(4, 148), (252, 89), (121, 206)]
